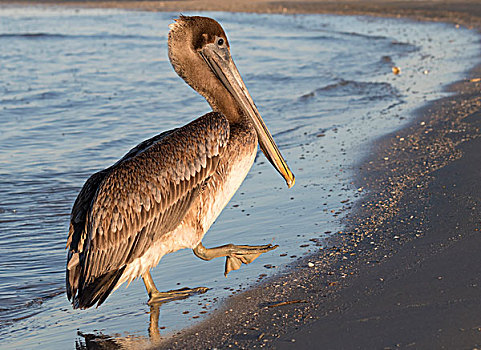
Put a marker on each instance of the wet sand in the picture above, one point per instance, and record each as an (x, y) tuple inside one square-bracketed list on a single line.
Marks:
[(406, 272)]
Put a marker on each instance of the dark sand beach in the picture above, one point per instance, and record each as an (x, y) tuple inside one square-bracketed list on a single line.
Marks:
[(405, 275), (406, 272)]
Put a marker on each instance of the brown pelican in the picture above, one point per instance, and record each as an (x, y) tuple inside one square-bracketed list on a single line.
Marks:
[(164, 194)]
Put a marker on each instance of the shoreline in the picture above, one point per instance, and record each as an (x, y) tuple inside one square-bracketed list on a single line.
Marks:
[(391, 288), (379, 285), (410, 269)]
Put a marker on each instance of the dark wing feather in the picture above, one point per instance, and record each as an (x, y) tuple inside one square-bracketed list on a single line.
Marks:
[(122, 210), (84, 200)]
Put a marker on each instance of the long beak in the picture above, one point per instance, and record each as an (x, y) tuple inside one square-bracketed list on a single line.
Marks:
[(221, 63)]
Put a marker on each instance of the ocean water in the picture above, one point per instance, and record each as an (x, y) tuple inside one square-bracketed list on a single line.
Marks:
[(80, 87)]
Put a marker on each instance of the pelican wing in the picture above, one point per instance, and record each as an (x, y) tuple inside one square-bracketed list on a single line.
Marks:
[(83, 202), (122, 210)]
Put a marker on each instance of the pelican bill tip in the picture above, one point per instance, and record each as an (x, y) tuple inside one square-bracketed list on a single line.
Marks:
[(291, 181)]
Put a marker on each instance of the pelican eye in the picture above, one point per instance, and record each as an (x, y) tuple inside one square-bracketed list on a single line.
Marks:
[(220, 42)]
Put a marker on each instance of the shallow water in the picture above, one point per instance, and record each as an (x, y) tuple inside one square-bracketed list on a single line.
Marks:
[(79, 88)]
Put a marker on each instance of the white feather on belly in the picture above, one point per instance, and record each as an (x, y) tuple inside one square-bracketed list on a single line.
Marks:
[(185, 236), (182, 237), (214, 205)]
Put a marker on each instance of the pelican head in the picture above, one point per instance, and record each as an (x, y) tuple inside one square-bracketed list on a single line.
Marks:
[(200, 54)]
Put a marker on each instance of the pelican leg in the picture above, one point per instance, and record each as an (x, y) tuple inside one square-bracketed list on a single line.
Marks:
[(235, 255), (157, 297)]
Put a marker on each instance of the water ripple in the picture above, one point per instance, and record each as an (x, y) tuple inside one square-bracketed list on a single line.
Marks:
[(348, 88), (48, 36)]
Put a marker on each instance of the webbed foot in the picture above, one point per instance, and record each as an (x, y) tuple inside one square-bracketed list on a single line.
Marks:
[(236, 255), (157, 297), (244, 254)]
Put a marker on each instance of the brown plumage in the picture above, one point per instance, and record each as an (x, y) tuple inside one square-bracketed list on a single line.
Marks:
[(164, 194)]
